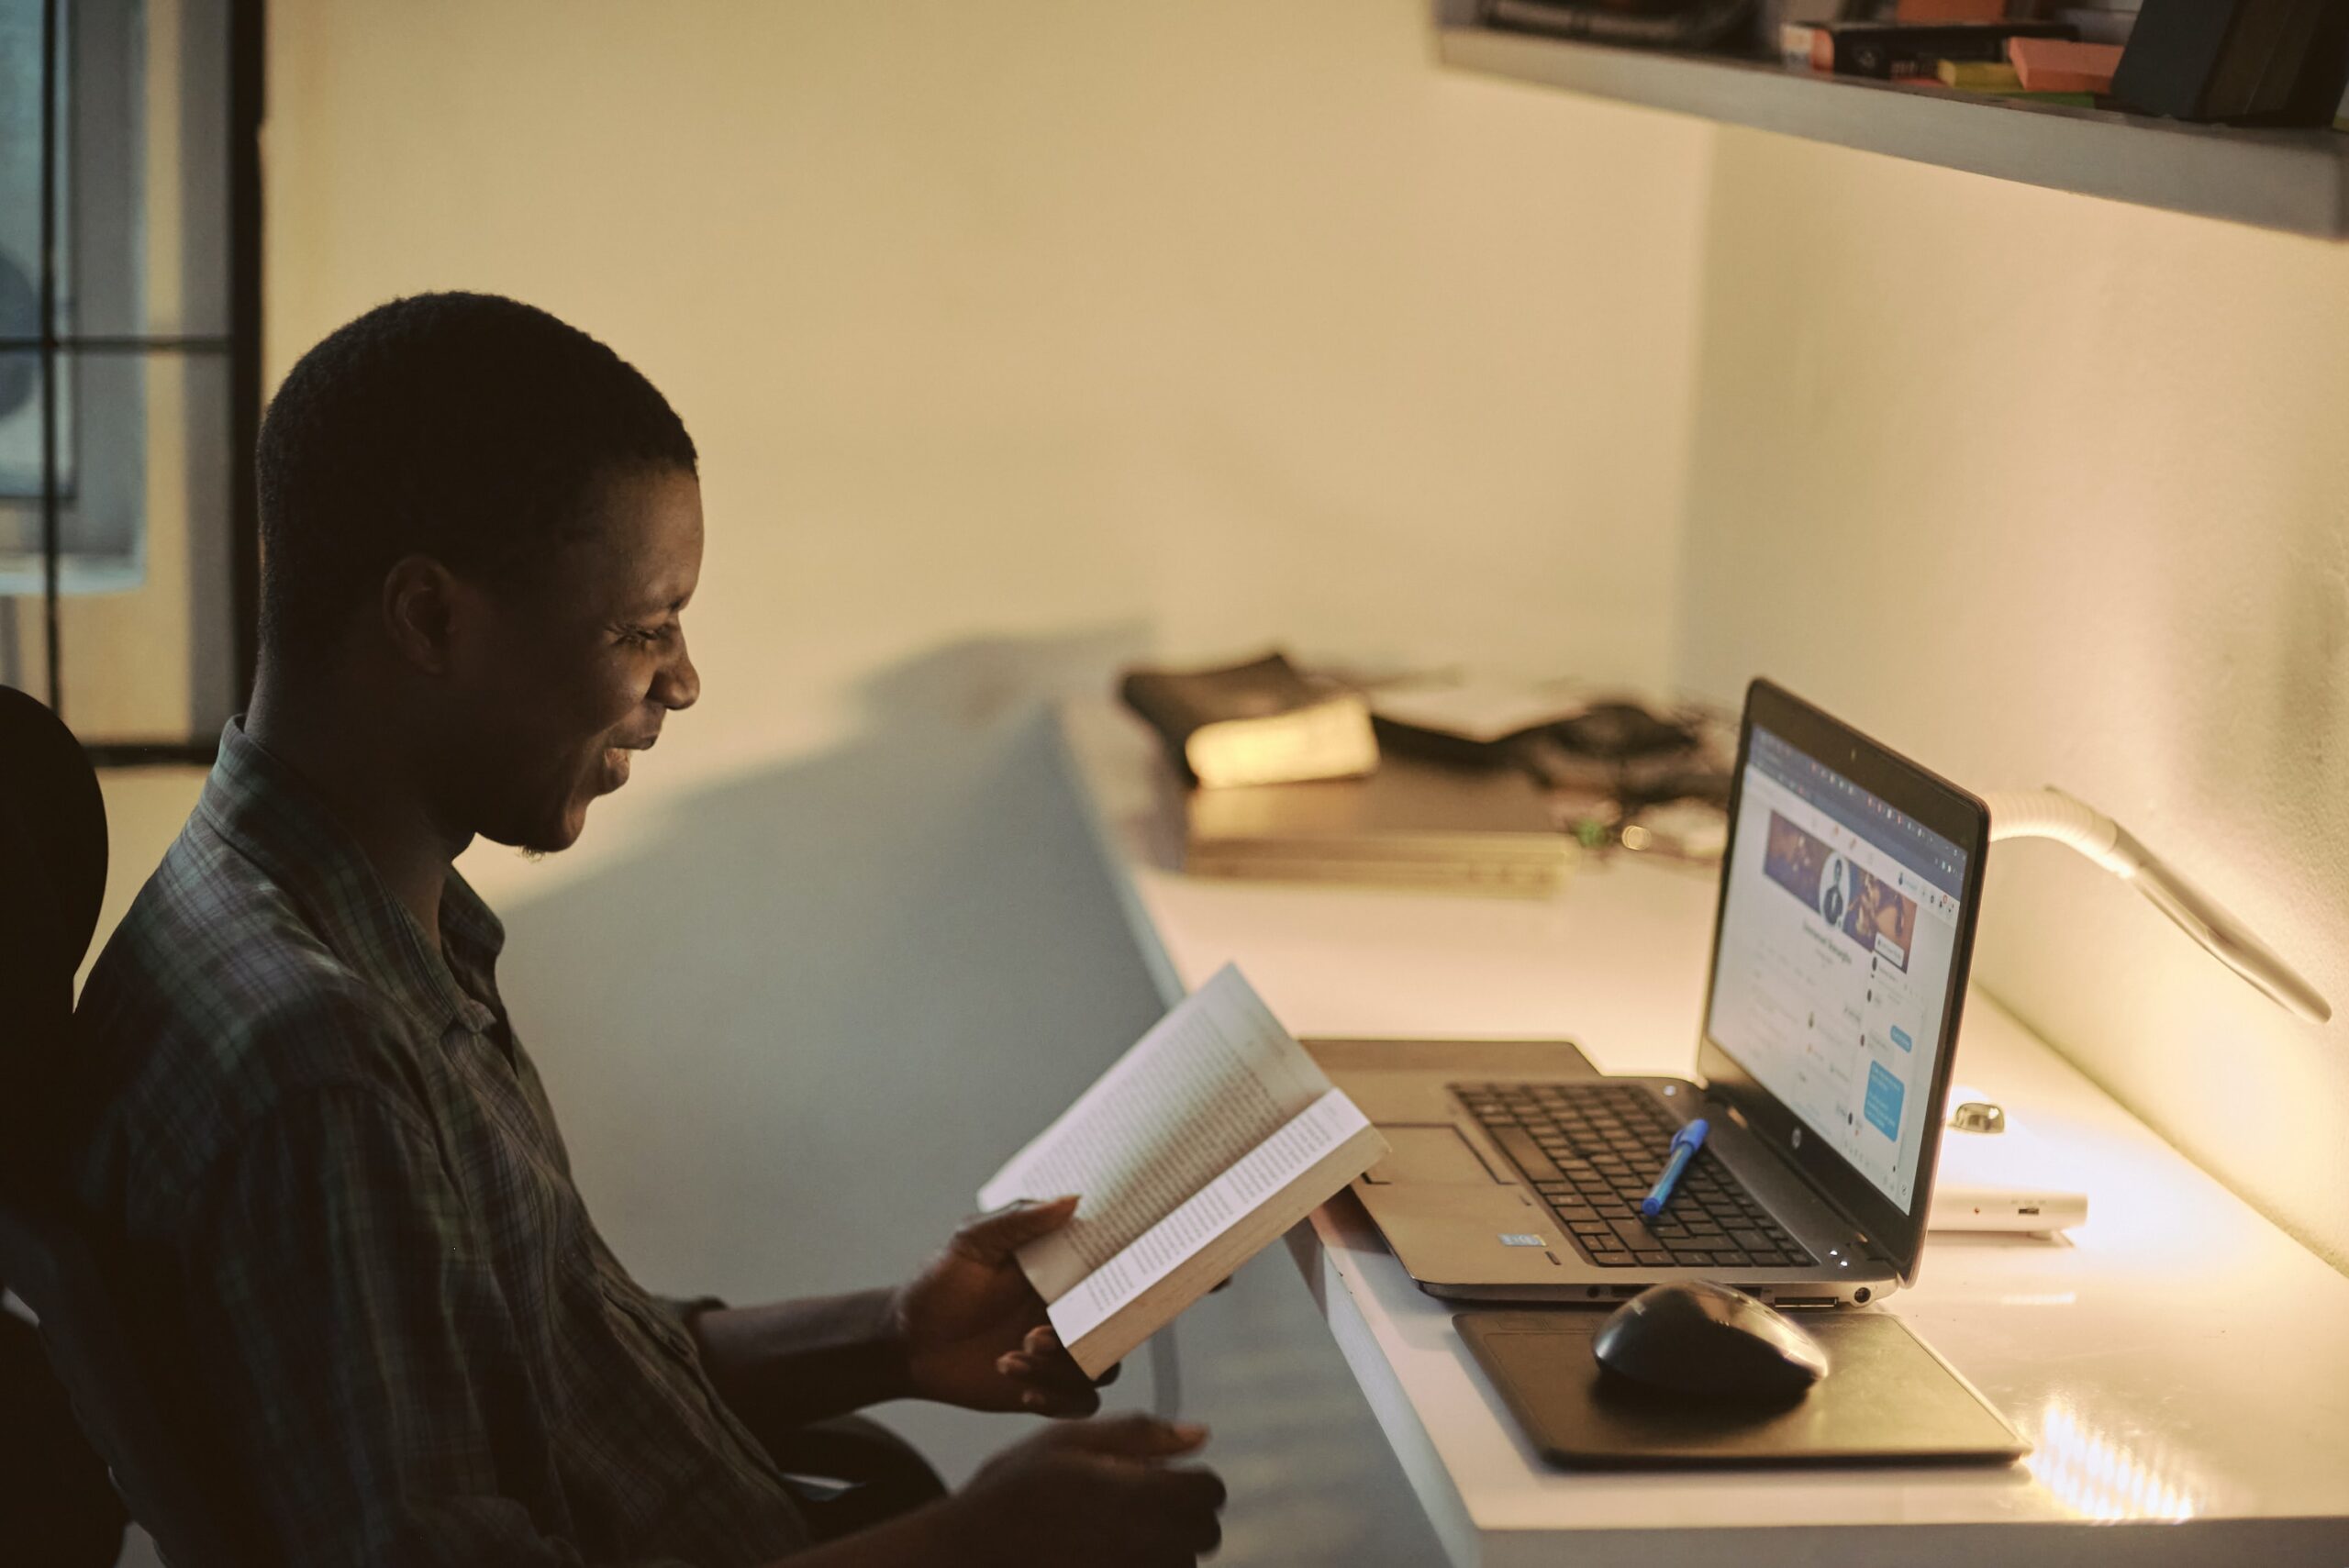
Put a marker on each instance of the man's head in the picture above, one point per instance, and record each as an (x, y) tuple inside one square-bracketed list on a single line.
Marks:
[(487, 523)]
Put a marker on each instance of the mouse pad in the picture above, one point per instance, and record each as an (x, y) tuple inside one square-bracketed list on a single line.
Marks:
[(1886, 1399)]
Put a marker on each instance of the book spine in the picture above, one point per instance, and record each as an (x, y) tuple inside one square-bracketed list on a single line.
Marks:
[(1161, 706), (1885, 51)]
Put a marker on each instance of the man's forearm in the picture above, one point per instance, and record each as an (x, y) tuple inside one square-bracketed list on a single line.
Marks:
[(795, 1362)]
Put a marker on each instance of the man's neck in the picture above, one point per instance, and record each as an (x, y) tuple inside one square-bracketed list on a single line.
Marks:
[(369, 783)]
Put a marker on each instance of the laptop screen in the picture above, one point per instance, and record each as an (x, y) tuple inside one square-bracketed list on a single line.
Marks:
[(1836, 958)]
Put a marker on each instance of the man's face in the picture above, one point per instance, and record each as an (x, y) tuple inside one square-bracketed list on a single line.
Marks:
[(564, 680)]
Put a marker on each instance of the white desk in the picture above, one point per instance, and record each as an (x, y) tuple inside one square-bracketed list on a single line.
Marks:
[(2182, 1365)]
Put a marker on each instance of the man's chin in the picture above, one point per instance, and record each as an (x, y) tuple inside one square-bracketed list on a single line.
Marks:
[(540, 840)]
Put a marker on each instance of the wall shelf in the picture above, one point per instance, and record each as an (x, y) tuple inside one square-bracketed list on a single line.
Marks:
[(2295, 180)]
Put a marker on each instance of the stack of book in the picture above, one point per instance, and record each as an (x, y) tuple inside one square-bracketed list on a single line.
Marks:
[(1289, 786), (2281, 62), (1257, 723), (2042, 61)]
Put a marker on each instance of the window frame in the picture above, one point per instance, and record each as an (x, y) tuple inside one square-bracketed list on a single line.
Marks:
[(241, 343)]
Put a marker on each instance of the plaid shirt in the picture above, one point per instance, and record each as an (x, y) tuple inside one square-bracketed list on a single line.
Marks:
[(343, 1209)]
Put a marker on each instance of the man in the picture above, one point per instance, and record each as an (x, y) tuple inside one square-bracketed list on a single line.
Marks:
[(343, 1206)]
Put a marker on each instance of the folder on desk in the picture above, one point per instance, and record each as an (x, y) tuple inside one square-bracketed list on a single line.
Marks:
[(1412, 824)]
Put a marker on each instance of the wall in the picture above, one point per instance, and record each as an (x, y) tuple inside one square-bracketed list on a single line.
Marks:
[(1222, 322), (2050, 490)]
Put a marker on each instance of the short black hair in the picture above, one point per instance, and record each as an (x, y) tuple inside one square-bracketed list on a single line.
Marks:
[(466, 426)]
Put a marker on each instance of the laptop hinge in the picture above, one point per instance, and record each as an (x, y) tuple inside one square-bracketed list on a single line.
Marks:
[(1869, 1248)]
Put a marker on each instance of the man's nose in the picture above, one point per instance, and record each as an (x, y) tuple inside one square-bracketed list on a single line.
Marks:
[(680, 683)]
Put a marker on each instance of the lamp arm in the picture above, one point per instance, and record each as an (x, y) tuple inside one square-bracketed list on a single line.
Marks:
[(2050, 814)]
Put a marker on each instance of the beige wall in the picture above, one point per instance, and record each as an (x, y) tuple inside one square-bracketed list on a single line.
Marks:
[(1203, 324), (2052, 490)]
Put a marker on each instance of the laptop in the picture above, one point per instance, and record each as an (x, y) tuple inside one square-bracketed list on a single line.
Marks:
[(1842, 941)]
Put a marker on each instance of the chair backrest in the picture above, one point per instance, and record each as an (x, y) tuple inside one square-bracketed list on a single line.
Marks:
[(52, 881)]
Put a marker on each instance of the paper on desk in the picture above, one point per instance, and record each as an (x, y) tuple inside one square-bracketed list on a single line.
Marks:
[(1482, 710)]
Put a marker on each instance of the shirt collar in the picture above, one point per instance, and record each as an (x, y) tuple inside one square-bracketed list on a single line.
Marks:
[(270, 814)]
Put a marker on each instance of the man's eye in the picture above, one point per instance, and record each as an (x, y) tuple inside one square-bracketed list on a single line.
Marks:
[(642, 636)]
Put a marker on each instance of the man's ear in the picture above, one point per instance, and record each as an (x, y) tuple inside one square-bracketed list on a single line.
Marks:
[(419, 610)]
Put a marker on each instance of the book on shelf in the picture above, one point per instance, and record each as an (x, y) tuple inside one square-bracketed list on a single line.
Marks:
[(2057, 65), (1257, 723), (1200, 1147), (1898, 51), (2282, 62)]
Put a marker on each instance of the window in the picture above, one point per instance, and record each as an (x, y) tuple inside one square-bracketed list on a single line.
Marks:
[(129, 271)]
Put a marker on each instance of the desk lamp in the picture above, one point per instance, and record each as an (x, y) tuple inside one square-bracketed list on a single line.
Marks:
[(2050, 814), (1993, 1200)]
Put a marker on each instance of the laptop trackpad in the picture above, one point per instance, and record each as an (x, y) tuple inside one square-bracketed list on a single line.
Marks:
[(1419, 1156)]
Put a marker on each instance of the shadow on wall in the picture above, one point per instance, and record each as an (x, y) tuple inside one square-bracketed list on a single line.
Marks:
[(789, 1034)]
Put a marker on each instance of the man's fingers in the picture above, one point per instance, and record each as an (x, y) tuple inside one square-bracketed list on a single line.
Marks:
[(992, 1237), (1200, 1496), (1043, 1345), (1061, 1402), (1186, 1501), (1134, 1436), (1053, 1386)]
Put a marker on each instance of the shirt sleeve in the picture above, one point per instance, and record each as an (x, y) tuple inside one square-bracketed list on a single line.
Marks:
[(348, 1327)]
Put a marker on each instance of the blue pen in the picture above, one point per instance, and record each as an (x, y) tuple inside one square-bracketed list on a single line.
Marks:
[(1685, 1144)]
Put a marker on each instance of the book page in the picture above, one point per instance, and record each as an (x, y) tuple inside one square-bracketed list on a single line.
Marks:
[(1210, 1083), (1259, 1177)]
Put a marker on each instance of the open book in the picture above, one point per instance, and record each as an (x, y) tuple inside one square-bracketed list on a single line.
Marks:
[(1204, 1142)]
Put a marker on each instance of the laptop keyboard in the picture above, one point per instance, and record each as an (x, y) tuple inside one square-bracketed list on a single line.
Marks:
[(1593, 1150)]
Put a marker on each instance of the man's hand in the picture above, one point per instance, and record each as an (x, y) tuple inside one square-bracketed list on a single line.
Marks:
[(974, 1330), (1090, 1493)]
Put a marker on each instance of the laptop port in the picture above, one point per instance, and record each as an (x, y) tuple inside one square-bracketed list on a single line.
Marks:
[(1798, 1302)]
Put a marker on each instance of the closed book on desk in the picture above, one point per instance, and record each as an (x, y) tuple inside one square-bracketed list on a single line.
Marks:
[(1204, 1143), (1256, 723), (1412, 824)]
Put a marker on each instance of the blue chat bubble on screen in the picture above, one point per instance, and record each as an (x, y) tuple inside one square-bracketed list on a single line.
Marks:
[(1884, 1095), (1900, 1038)]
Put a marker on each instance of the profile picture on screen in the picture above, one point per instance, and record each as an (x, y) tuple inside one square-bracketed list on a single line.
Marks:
[(1834, 880)]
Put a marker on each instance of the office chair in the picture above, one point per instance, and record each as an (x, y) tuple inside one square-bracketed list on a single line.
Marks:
[(52, 879)]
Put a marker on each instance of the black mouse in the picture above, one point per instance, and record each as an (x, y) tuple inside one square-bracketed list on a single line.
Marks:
[(1709, 1340)]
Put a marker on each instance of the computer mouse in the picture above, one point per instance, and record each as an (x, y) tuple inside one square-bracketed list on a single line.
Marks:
[(1710, 1341)]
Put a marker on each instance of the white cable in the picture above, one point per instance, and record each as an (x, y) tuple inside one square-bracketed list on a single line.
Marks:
[(2052, 814)]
